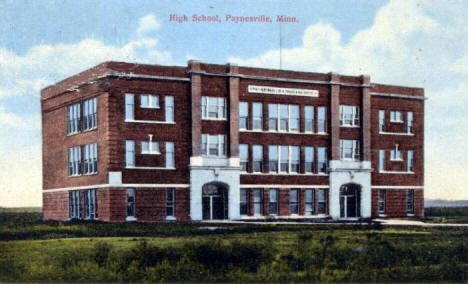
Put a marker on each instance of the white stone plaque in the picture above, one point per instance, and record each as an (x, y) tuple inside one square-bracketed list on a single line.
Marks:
[(282, 91)]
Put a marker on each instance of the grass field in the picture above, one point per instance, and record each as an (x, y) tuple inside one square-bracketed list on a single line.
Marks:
[(447, 214), (32, 251)]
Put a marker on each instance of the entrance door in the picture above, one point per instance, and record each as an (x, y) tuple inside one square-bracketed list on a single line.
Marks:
[(214, 201), (350, 203)]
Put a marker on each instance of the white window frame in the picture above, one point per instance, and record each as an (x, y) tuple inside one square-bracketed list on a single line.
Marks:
[(410, 161), (153, 101), (289, 118), (221, 142), (90, 204), (381, 120), (129, 107), (381, 202), (257, 116), (73, 118), (205, 103), (129, 153), (409, 122), (170, 155), (130, 193), (354, 147), (381, 162), (170, 203), (74, 204), (245, 117), (395, 154), (319, 120), (244, 159), (345, 112), (310, 110), (169, 108), (284, 157), (396, 116), (90, 159), (257, 150), (74, 161), (89, 114), (149, 147)]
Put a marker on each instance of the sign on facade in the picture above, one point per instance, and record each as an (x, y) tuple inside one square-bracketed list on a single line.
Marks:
[(282, 91)]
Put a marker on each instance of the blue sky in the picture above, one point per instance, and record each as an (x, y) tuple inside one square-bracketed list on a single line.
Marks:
[(416, 43)]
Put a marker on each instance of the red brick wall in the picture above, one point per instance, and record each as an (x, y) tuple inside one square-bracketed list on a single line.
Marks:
[(395, 203), (55, 206)]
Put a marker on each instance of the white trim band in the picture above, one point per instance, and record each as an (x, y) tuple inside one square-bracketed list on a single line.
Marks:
[(396, 133), (283, 186), (113, 187), (150, 121), (397, 186)]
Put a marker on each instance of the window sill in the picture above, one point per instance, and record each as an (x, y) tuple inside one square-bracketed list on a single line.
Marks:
[(149, 107), (170, 218), (396, 121), (396, 160), (75, 176), (396, 133), (91, 174), (149, 121), (131, 219), (214, 119), (350, 126), (283, 174), (148, 168), (89, 130), (282, 132), (148, 153), (410, 214), (396, 172)]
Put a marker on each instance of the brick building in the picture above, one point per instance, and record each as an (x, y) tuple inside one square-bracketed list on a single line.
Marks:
[(125, 142)]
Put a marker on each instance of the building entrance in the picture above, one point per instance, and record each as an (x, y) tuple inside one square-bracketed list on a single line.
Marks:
[(350, 200), (215, 201)]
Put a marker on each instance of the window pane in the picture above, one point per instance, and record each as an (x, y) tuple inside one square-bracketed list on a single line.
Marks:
[(129, 109), (321, 118), (321, 160), (170, 163), (294, 119), (243, 156), (169, 104), (284, 158), (244, 199), (258, 201), (129, 153), (212, 107), (381, 160), (213, 145), (309, 159), (284, 123), (273, 158), (309, 118), (295, 160), (243, 115), (257, 114), (272, 117)]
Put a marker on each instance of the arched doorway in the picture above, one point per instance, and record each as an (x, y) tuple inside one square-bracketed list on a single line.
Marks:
[(350, 200), (215, 201)]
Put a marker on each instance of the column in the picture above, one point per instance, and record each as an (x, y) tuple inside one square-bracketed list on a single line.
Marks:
[(195, 80), (366, 118), (233, 114), (334, 116)]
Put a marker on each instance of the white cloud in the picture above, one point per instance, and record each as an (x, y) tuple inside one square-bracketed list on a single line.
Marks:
[(147, 24)]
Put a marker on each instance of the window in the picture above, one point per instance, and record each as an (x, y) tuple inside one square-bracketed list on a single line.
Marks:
[(169, 105), (395, 154), (409, 161), (409, 122), (257, 116), (349, 149), (130, 203), (73, 118), (150, 147), (170, 201), (258, 201), (257, 153), (129, 107), (284, 118), (293, 201), (309, 201), (170, 160), (213, 107), (309, 159), (243, 115), (273, 201), (272, 117), (90, 204), (244, 157), (244, 204), (381, 120), (288, 117), (74, 204), (74, 161), (295, 160), (395, 116), (90, 159), (322, 161), (349, 115), (293, 118), (90, 114), (381, 160), (308, 119), (321, 120), (284, 159), (273, 158), (409, 201), (129, 153), (213, 145), (321, 204), (149, 101), (381, 201)]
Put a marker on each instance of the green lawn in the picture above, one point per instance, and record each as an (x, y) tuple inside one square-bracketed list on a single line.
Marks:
[(32, 251)]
